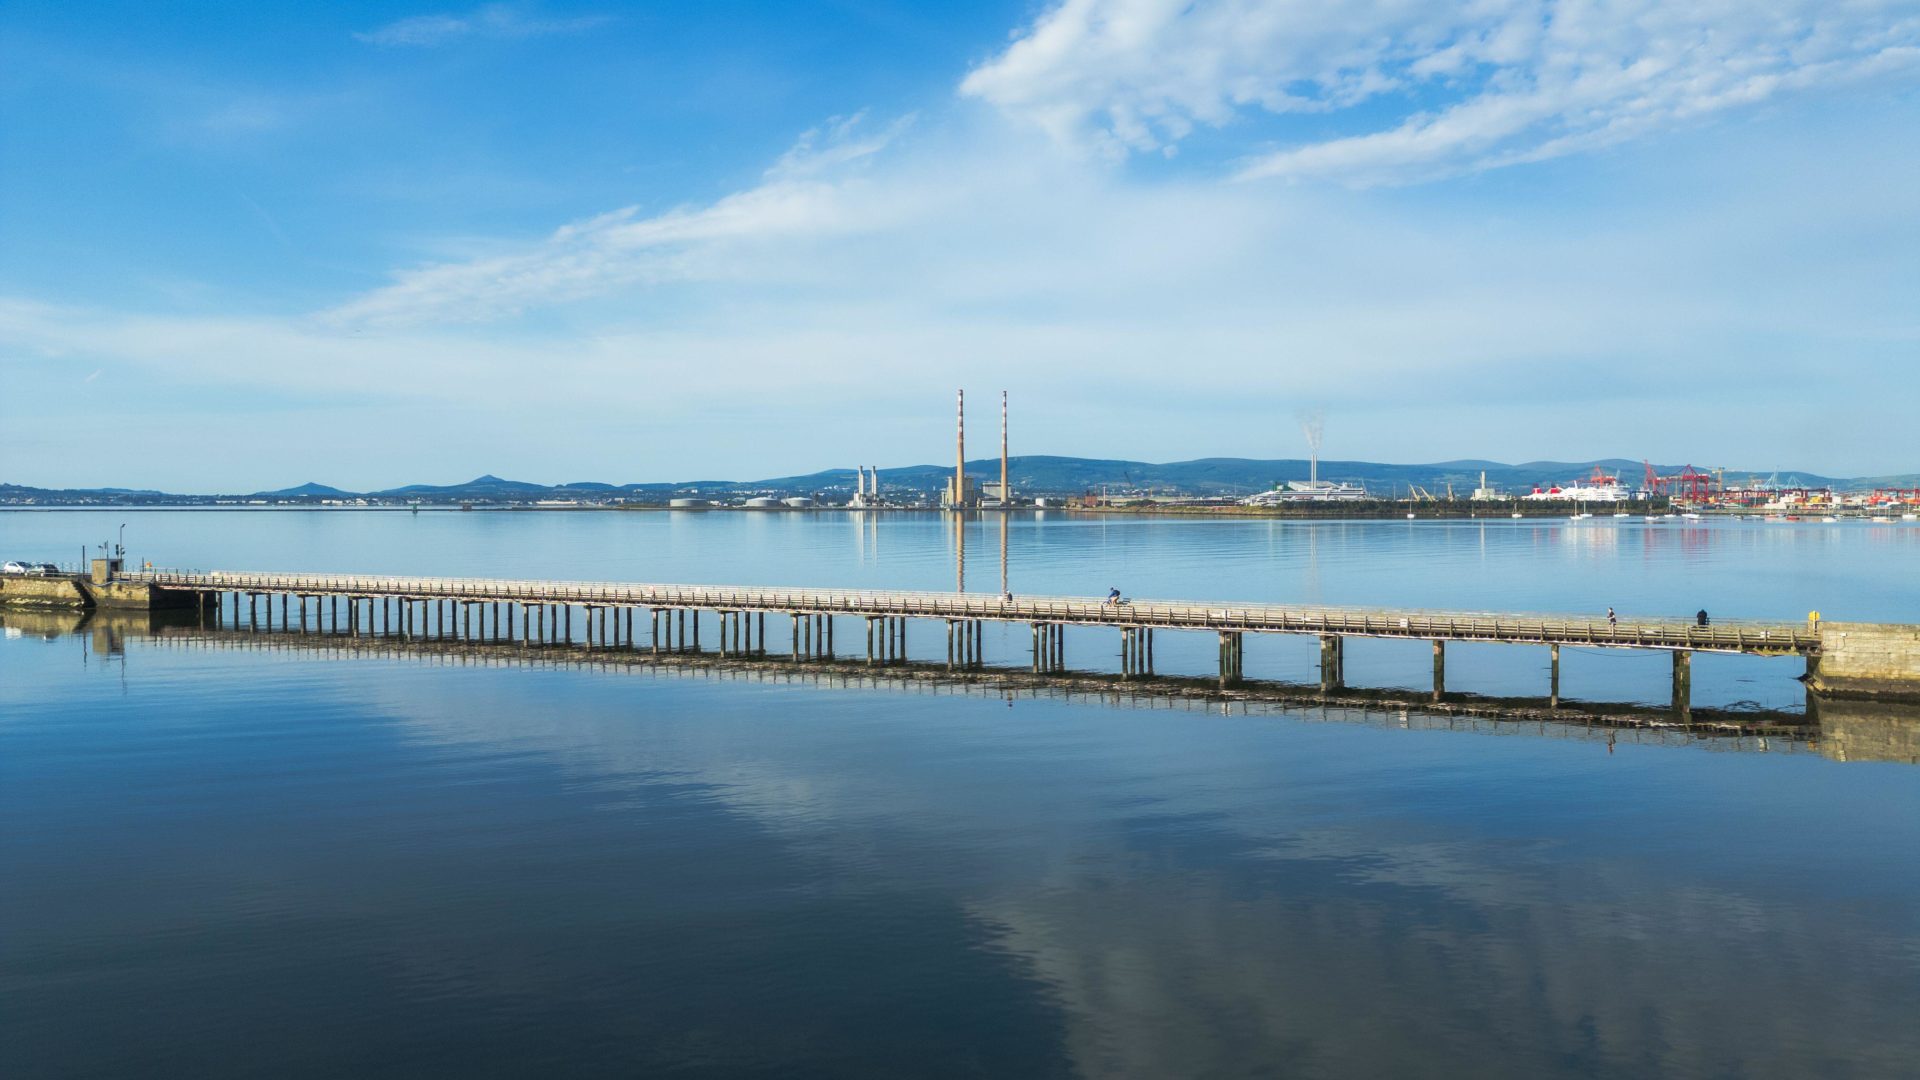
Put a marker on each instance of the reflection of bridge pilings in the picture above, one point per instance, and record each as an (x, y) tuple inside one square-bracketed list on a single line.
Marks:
[(1775, 732)]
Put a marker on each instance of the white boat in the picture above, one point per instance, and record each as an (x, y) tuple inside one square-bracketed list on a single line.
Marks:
[(1690, 517), (1516, 515), (1623, 514), (1910, 517), (1828, 520)]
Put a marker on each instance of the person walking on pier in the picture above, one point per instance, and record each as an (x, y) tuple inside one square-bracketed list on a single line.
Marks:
[(1701, 618), (1613, 621)]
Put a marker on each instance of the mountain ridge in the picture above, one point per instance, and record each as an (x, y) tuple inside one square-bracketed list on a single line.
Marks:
[(1040, 474)]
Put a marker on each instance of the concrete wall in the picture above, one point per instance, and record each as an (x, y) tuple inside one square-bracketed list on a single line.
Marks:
[(43, 592), (73, 592), (1868, 660)]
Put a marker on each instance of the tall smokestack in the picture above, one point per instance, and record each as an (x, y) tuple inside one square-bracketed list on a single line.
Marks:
[(1314, 426), (1006, 498), (960, 451)]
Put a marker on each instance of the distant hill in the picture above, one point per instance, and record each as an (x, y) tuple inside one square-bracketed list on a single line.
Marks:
[(304, 491), (483, 485), (1031, 475)]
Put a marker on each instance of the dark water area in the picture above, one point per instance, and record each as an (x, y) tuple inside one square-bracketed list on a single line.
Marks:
[(225, 859)]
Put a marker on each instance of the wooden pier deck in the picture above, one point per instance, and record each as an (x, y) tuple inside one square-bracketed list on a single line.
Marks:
[(1631, 632), (671, 615)]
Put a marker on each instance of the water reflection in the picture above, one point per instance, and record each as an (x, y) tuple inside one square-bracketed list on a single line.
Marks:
[(1840, 728), (469, 861)]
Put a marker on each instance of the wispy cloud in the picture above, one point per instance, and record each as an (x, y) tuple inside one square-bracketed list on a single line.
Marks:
[(1474, 86), (497, 21), (810, 191), (839, 142)]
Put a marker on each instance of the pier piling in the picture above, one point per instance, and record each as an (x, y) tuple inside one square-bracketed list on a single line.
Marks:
[(1333, 667)]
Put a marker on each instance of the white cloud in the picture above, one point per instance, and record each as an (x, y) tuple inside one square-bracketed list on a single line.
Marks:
[(1174, 318), (1466, 86), (498, 21), (813, 190)]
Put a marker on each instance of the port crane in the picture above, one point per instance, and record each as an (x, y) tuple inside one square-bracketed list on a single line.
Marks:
[(1689, 485)]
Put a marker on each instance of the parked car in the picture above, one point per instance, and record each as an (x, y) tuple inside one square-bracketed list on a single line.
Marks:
[(12, 567), (49, 568)]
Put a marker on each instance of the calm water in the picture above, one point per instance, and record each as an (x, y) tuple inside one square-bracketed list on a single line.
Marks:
[(219, 860)]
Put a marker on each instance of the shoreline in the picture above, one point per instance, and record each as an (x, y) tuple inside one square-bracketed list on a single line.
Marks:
[(1371, 511)]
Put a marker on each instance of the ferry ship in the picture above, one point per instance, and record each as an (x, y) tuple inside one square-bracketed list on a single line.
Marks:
[(1599, 487)]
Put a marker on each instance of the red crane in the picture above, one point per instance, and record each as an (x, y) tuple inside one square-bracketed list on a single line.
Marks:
[(1689, 485)]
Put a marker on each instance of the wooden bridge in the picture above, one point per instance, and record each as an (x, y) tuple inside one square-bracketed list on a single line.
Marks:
[(488, 609)]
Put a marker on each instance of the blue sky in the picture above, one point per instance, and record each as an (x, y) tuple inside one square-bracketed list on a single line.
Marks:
[(245, 246)]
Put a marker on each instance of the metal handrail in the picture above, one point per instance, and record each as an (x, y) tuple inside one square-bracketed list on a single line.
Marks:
[(1731, 635)]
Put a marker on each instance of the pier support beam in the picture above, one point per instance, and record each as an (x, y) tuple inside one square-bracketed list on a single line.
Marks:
[(1553, 683), (1333, 663), (1683, 682), (1232, 646), (1439, 669)]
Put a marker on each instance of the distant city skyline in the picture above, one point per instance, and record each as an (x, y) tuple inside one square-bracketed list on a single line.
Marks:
[(367, 245)]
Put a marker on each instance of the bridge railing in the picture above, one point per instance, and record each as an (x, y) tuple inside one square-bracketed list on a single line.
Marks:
[(1731, 635)]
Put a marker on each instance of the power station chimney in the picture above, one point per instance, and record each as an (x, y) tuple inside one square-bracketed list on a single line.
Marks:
[(1006, 497), (960, 451)]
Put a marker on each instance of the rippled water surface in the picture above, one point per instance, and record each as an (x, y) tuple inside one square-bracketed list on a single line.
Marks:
[(219, 857)]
